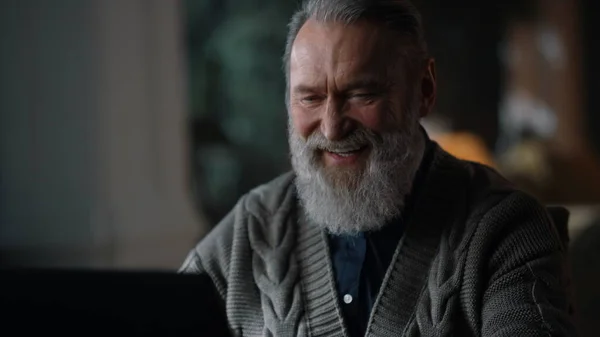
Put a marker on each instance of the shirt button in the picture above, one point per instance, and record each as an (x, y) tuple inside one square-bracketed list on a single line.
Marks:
[(347, 298)]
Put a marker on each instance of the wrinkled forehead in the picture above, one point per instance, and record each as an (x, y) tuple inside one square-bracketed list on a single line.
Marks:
[(339, 48)]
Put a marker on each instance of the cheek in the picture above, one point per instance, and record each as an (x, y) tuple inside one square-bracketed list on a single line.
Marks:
[(303, 121), (378, 118)]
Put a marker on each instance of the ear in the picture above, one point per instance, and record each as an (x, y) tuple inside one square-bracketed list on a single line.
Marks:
[(428, 88)]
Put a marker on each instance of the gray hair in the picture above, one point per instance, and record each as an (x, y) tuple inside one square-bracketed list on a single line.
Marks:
[(398, 15)]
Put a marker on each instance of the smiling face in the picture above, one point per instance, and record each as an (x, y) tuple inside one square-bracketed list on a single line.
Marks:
[(344, 77), (354, 131)]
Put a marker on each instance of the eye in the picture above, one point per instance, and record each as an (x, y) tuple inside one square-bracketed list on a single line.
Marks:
[(312, 99), (365, 97)]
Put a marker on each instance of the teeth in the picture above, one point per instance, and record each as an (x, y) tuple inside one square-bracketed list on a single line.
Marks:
[(345, 150), (344, 154)]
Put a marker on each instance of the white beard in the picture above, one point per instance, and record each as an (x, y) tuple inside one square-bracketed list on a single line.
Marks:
[(357, 200)]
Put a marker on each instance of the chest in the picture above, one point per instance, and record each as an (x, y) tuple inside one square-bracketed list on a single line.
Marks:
[(303, 298)]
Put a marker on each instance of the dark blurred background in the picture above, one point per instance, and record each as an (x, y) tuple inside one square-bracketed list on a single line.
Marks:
[(515, 91), (129, 128)]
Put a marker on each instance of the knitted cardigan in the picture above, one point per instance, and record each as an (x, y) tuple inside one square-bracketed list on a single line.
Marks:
[(478, 258)]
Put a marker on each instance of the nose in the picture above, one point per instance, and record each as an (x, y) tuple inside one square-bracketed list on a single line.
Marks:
[(335, 125)]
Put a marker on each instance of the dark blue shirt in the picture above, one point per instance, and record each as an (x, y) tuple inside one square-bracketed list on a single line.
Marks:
[(360, 262)]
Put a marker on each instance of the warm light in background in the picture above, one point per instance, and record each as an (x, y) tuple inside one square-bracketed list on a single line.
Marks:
[(466, 146)]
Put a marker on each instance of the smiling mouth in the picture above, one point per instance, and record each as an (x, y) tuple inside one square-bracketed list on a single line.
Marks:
[(343, 156), (346, 153)]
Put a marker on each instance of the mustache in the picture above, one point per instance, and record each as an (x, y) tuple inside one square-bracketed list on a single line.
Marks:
[(356, 139)]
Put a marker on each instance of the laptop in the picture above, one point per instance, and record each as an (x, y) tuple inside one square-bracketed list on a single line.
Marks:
[(104, 302)]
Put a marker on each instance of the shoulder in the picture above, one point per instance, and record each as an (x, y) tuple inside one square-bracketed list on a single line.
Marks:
[(491, 204), (261, 204), (271, 198), (509, 245), (501, 220), (477, 186), (496, 202)]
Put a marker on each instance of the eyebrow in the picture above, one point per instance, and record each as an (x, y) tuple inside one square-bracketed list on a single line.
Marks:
[(361, 83), (305, 89)]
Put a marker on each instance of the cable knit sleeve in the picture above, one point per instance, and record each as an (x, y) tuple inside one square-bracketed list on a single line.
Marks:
[(192, 264), (522, 260), (213, 254)]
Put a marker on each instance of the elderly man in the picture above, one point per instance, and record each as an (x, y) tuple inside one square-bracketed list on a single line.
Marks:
[(378, 231)]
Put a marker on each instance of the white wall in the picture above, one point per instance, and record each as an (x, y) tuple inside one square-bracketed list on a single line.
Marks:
[(93, 152)]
